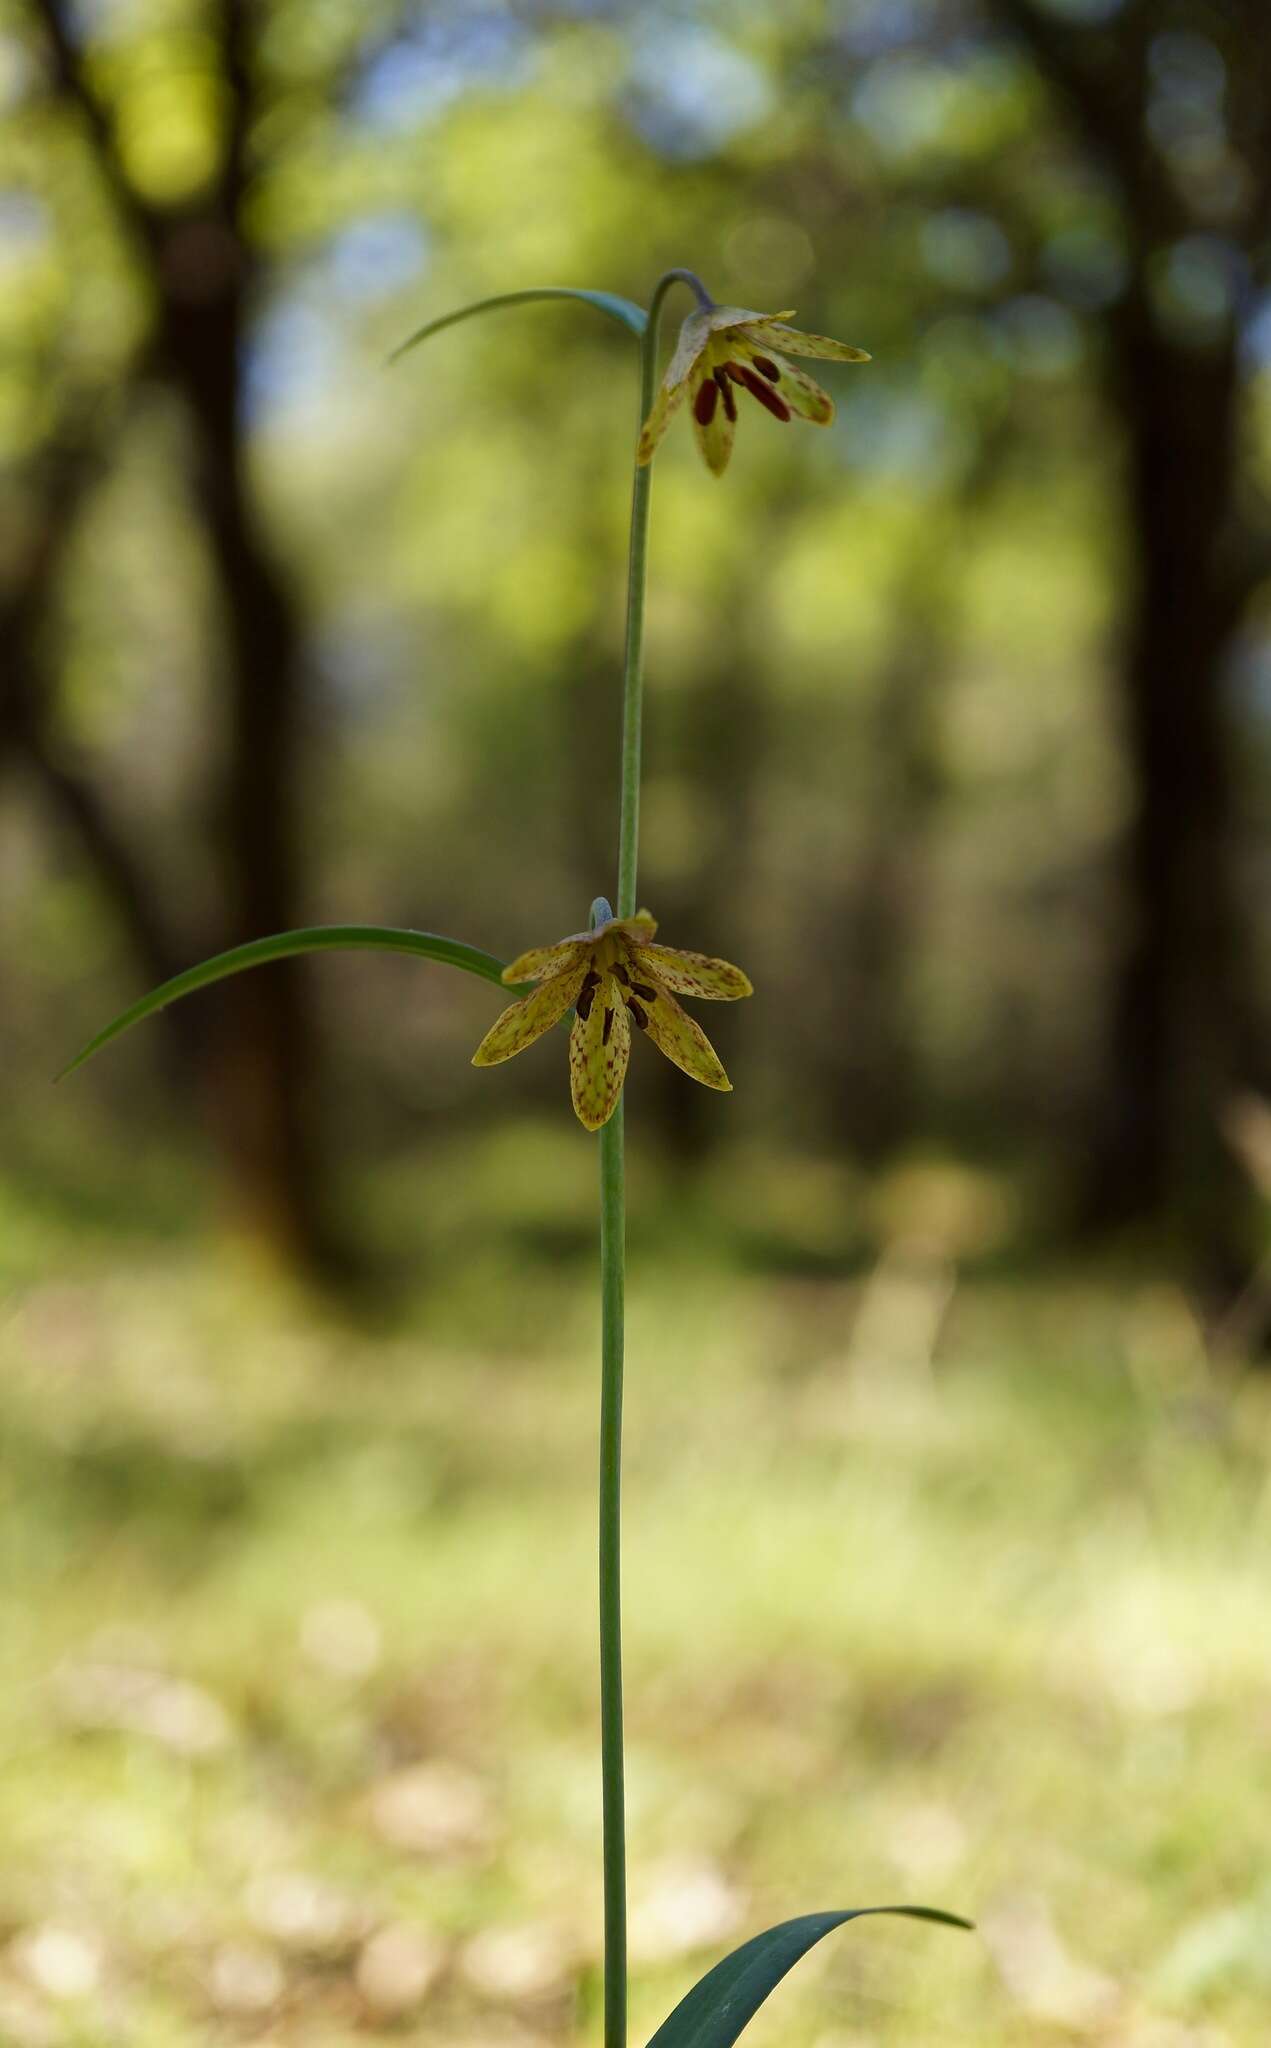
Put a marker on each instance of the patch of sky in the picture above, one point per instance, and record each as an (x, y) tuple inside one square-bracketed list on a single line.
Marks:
[(894, 431), (905, 101), (870, 28), (95, 20), (1187, 67), (1189, 81), (17, 71), (23, 224), (291, 362), (964, 249), (1043, 337), (1248, 677), (363, 658), (375, 257), (690, 91), (1256, 339), (419, 74)]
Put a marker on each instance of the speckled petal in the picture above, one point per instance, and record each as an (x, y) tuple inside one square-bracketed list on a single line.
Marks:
[(694, 974), (715, 433), (743, 316), (668, 401), (541, 961), (694, 335), (803, 394), (684, 1042), (767, 334), (599, 1048), (523, 1022)]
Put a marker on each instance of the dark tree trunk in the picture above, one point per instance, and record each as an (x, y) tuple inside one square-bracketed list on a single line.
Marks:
[(1179, 1038), (200, 268), (261, 1064), (1178, 1035)]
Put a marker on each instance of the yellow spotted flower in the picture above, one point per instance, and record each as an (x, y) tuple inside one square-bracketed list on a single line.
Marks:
[(725, 349), (613, 977)]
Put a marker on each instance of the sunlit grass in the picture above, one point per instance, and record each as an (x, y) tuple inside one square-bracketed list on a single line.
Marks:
[(938, 1588)]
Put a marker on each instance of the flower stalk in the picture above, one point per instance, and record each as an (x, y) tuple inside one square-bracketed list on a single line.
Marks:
[(613, 1236)]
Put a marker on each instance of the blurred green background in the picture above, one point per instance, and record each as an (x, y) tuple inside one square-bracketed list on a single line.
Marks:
[(950, 1442)]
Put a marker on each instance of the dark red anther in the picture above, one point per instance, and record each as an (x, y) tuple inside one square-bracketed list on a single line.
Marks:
[(705, 402), (638, 1017), (646, 995), (726, 393), (620, 974), (586, 997), (769, 368), (607, 1028), (765, 394)]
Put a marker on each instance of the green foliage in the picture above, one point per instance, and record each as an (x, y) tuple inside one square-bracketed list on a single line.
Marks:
[(338, 938), (628, 315), (336, 1554), (714, 2012)]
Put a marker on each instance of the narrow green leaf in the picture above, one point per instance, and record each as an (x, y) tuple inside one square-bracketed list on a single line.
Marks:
[(322, 938), (633, 317), (718, 2007)]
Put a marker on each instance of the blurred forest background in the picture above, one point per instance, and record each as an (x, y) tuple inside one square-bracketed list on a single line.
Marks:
[(958, 738)]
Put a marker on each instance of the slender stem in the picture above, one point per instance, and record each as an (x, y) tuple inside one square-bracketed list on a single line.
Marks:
[(637, 573), (612, 1286), (613, 1233)]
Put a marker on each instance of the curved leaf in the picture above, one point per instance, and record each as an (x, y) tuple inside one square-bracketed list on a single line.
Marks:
[(322, 938), (720, 2004), (632, 317)]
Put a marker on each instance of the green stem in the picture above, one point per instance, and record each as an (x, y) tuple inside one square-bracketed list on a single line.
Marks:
[(613, 1233), (637, 576), (613, 1259)]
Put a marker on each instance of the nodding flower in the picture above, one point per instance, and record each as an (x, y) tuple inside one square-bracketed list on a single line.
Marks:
[(724, 350), (614, 977)]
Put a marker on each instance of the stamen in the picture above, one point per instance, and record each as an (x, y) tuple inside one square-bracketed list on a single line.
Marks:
[(647, 995), (620, 974), (769, 368), (705, 402), (767, 397), (638, 1017), (608, 1028), (586, 997), (726, 393)]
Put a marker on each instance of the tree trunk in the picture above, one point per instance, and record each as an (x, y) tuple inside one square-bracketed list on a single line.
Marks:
[(1177, 1032), (261, 1062)]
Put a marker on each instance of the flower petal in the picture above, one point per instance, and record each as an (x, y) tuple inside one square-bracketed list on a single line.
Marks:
[(684, 1042), (741, 316), (694, 974), (714, 422), (523, 1022), (599, 1048), (667, 402), (767, 334), (541, 961), (694, 335), (802, 393)]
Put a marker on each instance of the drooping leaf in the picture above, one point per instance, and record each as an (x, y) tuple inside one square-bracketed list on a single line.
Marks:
[(632, 317), (322, 938), (719, 2005)]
